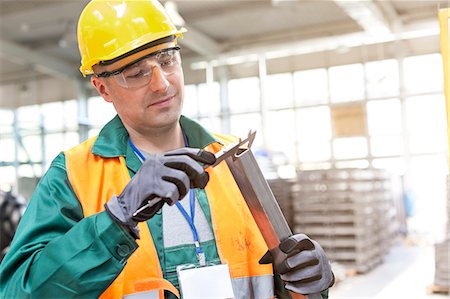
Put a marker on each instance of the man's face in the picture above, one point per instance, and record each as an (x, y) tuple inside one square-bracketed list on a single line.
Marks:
[(147, 95)]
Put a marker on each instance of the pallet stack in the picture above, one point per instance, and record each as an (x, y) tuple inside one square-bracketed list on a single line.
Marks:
[(442, 267), (442, 259), (350, 212), (281, 189)]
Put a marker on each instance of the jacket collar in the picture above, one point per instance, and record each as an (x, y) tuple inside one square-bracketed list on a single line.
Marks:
[(112, 141)]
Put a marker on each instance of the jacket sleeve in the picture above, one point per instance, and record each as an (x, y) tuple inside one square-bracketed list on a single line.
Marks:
[(56, 252)]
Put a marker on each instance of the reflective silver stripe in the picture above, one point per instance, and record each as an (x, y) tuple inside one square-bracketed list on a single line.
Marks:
[(143, 295), (255, 287)]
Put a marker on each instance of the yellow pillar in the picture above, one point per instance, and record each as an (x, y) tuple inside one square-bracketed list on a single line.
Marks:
[(444, 15)]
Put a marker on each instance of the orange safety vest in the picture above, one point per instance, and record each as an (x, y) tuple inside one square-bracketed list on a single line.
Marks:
[(239, 242)]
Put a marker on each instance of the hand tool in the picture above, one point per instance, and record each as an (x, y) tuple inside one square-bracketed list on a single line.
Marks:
[(228, 151), (233, 149)]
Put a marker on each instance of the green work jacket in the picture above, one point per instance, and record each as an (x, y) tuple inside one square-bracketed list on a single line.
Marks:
[(58, 253)]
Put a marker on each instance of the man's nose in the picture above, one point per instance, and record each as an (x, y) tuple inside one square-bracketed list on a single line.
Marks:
[(158, 81)]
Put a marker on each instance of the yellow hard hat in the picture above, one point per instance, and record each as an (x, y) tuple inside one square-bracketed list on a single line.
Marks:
[(108, 29)]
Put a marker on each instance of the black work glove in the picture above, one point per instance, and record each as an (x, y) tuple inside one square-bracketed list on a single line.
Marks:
[(302, 263), (162, 178)]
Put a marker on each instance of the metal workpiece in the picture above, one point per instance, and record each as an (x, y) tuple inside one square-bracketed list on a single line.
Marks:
[(261, 202), (259, 198)]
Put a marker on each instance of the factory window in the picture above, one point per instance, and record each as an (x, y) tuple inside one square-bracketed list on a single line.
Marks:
[(350, 148), (7, 177), (93, 132), (280, 132), (244, 95), (241, 123), (29, 171), (314, 134), (54, 143), (428, 143), (99, 111), (71, 115), (53, 115), (6, 123), (311, 87), (190, 104), (7, 145), (209, 99), (386, 145), (32, 145), (384, 117), (394, 165), (279, 91), (71, 139), (313, 151), (382, 79), (426, 114), (426, 123), (423, 74), (427, 177), (346, 83), (57, 142), (212, 123), (28, 119), (314, 123)]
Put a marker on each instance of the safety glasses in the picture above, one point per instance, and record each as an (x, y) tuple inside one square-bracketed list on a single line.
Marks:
[(140, 72)]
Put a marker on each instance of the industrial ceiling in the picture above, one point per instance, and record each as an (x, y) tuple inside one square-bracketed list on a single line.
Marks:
[(38, 47)]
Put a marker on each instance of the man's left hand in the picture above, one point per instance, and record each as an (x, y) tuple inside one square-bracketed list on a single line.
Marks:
[(303, 265)]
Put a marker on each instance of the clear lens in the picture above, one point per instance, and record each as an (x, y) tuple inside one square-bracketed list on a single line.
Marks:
[(140, 73)]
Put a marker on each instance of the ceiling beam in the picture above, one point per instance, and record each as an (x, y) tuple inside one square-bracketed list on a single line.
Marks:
[(320, 44), (41, 62), (391, 15), (200, 43), (367, 15), (45, 14)]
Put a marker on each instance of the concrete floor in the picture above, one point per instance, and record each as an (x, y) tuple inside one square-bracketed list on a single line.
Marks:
[(406, 273)]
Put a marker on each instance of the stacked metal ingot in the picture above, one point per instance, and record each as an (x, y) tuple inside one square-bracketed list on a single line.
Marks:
[(281, 189), (350, 212)]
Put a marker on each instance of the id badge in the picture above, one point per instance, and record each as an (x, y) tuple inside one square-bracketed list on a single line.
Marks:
[(205, 282)]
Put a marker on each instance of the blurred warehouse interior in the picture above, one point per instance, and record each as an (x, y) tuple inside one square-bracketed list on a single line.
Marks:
[(347, 98)]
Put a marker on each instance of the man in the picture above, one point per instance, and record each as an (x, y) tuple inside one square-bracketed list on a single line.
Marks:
[(92, 231)]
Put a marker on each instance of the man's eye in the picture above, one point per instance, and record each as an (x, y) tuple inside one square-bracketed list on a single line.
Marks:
[(169, 61), (140, 74), (134, 73)]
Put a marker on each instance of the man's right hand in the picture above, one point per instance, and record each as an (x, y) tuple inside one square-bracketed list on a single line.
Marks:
[(162, 178)]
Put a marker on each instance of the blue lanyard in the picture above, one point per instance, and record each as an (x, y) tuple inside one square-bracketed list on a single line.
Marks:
[(189, 219)]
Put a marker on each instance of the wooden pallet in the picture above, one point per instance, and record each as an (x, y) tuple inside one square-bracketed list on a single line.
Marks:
[(360, 267), (437, 289), (343, 174), (314, 196), (342, 187), (336, 230), (335, 219), (355, 208)]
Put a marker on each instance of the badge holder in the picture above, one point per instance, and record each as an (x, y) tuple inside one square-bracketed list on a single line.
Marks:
[(208, 281)]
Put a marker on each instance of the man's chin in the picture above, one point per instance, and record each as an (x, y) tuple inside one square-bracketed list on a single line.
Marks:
[(164, 121)]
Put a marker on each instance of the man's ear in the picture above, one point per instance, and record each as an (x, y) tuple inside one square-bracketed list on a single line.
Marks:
[(102, 88)]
